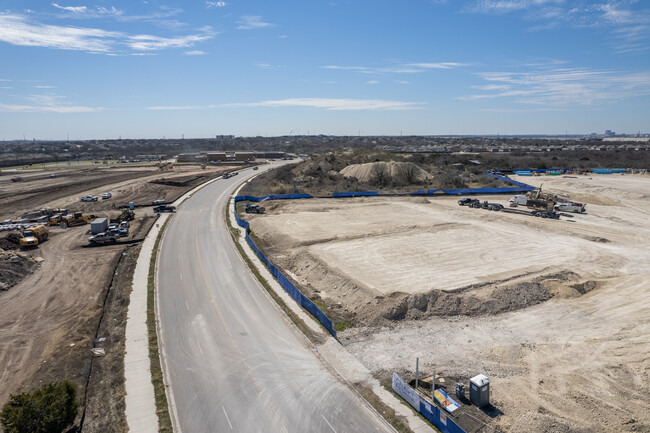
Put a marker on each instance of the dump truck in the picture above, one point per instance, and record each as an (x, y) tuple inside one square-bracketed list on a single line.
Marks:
[(254, 208), (32, 236)]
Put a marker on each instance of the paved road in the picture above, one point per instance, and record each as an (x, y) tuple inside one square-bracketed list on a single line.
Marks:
[(234, 362)]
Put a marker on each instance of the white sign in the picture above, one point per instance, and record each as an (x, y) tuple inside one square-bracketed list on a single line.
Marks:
[(406, 392)]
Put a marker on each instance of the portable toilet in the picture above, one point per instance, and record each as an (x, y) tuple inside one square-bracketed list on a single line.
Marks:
[(99, 225), (479, 390), (131, 205)]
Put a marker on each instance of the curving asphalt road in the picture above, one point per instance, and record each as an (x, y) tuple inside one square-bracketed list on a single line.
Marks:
[(233, 361)]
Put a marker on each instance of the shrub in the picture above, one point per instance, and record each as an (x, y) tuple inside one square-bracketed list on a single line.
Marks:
[(49, 409)]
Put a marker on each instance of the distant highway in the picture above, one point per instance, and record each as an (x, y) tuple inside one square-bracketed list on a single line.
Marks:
[(234, 361)]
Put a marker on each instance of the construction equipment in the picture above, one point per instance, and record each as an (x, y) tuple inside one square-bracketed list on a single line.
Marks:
[(32, 236), (546, 214), (16, 179), (540, 200), (76, 219), (254, 208), (125, 215)]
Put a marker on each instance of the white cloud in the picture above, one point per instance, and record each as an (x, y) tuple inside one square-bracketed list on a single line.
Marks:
[(372, 82), (17, 30), (48, 103), (562, 87), (268, 66), (195, 53), (335, 104), (215, 4), (151, 43), (407, 68), (402, 82), (252, 22), (44, 87), (444, 65), (73, 9)]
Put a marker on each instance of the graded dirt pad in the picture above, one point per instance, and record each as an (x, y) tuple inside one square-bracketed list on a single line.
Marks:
[(554, 312), (132, 184)]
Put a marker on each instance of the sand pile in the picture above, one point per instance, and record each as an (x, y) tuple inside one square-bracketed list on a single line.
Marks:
[(368, 172)]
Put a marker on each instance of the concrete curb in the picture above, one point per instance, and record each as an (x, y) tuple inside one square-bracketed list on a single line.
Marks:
[(345, 365)]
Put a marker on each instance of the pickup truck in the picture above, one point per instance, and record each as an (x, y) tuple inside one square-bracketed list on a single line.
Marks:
[(518, 200), (570, 207), (103, 238), (164, 208)]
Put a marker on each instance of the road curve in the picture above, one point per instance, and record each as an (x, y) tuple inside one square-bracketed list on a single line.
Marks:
[(233, 361)]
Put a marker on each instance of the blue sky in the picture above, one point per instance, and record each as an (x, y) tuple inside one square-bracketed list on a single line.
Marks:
[(151, 69)]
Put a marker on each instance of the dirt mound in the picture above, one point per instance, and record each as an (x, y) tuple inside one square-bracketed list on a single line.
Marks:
[(15, 266), (10, 241), (368, 172)]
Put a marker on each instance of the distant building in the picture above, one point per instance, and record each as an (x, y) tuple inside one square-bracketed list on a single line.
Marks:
[(192, 157), (609, 133)]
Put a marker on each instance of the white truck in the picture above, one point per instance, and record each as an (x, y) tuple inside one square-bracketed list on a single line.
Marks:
[(518, 200), (570, 206)]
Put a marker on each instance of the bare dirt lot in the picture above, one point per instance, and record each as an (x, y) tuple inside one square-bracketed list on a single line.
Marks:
[(63, 299), (554, 312)]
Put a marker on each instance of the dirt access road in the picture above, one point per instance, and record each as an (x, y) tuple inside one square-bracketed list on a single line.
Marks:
[(50, 318), (554, 312)]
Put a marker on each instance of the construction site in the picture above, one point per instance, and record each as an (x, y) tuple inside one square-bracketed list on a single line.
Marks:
[(65, 297), (544, 293)]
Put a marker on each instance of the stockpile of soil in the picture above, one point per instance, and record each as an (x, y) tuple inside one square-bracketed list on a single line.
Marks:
[(368, 172), (14, 266)]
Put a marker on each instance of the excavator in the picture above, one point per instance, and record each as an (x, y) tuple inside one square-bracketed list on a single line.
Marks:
[(541, 200)]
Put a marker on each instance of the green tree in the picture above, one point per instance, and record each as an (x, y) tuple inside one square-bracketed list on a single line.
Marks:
[(49, 409)]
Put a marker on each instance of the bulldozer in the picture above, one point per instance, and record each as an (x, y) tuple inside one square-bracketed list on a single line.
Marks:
[(33, 235), (76, 219)]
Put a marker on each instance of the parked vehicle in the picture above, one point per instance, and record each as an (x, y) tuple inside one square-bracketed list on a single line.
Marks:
[(103, 238), (119, 231), (254, 208), (88, 198), (546, 214), (518, 200), (467, 201), (255, 168), (164, 208), (34, 235), (570, 207), (106, 195)]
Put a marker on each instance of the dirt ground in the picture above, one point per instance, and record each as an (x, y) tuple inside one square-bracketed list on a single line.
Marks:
[(38, 190), (63, 299), (553, 312)]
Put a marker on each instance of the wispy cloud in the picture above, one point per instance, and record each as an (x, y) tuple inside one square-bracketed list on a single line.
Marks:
[(44, 87), (563, 87), (195, 53), (252, 22), (405, 68), (268, 66), (215, 4), (322, 103), (336, 104), (152, 43), (628, 21), (73, 9), (18, 30), (48, 103), (372, 82)]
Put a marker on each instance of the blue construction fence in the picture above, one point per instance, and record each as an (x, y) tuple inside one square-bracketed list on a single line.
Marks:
[(430, 411), (287, 285)]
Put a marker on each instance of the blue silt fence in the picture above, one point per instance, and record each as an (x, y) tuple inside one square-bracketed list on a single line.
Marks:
[(430, 411), (287, 285), (355, 194)]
